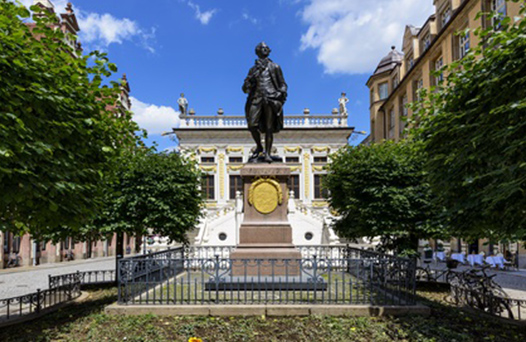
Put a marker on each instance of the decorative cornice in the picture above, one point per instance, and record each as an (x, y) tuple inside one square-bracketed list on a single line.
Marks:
[(231, 149), (318, 168), (290, 149), (211, 168), (321, 149), (295, 168), (235, 167), (207, 149)]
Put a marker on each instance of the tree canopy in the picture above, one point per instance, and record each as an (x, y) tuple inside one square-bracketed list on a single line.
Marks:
[(381, 190), (60, 134), (153, 190), (473, 133)]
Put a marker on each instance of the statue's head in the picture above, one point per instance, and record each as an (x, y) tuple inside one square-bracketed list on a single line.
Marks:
[(343, 94), (262, 50), (182, 95)]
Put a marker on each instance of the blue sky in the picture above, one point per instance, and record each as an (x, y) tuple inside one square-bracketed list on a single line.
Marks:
[(204, 48)]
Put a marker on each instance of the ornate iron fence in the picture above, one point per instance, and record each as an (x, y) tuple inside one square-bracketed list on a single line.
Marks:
[(85, 278), (375, 281), (489, 303), (34, 303)]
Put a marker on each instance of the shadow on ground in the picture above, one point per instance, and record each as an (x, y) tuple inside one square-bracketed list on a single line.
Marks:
[(87, 322)]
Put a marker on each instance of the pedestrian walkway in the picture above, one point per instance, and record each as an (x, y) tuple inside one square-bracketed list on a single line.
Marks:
[(20, 281)]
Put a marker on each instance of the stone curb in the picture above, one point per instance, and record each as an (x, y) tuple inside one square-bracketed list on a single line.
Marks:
[(268, 310)]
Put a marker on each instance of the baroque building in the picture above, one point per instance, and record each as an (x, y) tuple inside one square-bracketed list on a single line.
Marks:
[(399, 76), (221, 144)]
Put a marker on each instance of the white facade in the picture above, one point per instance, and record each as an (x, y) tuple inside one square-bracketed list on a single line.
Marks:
[(222, 145)]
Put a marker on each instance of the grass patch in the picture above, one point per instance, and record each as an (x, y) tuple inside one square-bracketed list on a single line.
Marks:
[(87, 322)]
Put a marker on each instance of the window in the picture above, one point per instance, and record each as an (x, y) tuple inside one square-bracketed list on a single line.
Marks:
[(320, 159), (308, 236), (292, 160), (438, 64), (319, 191), (222, 236), (499, 7), (383, 91), (16, 244), (236, 184), (463, 44), (403, 113), (6, 241), (293, 184), (237, 160), (426, 42), (409, 62), (391, 123), (208, 160), (208, 188), (42, 245), (445, 16), (417, 85)]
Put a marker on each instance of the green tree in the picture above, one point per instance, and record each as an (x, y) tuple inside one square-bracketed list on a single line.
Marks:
[(473, 130), (152, 190), (381, 190), (60, 134)]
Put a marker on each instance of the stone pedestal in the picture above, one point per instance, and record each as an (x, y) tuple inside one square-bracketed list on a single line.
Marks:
[(265, 232)]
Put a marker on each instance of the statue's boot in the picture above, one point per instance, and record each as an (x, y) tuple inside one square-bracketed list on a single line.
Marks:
[(254, 157), (267, 158)]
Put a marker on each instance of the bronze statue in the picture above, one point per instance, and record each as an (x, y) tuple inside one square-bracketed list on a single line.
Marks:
[(267, 92)]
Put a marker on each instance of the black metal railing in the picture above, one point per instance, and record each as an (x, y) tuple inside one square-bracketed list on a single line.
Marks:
[(375, 281), (34, 303), (489, 303), (85, 278), (171, 253)]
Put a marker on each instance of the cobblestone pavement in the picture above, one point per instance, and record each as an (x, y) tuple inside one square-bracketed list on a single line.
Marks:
[(19, 281)]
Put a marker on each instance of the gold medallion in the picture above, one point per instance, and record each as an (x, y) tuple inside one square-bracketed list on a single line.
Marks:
[(265, 195)]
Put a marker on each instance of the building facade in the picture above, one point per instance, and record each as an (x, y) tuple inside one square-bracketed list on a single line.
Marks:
[(222, 144), (396, 82)]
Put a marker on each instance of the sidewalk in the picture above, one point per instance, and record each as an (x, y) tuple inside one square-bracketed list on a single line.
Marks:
[(53, 265), (19, 281)]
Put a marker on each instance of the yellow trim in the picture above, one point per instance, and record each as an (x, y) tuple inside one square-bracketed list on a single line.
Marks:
[(295, 168), (221, 157), (211, 205), (321, 149), (306, 159), (316, 168), (320, 204), (207, 149), (235, 167), (234, 149), (212, 168), (290, 149)]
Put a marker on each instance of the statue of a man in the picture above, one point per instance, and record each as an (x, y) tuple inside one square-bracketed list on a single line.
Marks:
[(267, 92), (342, 101), (183, 105)]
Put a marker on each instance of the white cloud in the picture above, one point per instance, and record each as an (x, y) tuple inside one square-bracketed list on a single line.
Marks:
[(101, 30), (351, 36), (246, 16), (155, 119), (203, 17)]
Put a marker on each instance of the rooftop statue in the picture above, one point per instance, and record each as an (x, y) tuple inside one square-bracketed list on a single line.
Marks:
[(267, 93), (183, 105), (342, 101)]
